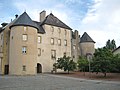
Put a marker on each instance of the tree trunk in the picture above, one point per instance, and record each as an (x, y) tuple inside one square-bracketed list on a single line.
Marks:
[(68, 71), (105, 74)]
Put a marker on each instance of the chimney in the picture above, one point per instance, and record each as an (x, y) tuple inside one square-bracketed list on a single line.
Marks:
[(4, 24), (42, 15), (16, 16)]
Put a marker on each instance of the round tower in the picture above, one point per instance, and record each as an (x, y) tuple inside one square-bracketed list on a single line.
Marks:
[(23, 46), (87, 45)]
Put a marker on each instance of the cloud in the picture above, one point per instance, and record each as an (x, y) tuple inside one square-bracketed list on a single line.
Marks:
[(103, 23)]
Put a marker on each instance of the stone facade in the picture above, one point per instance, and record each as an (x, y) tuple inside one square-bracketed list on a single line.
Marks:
[(30, 47)]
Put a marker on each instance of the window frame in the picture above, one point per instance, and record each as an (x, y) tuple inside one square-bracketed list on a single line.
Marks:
[(65, 42), (52, 29), (24, 49), (25, 28), (53, 54), (24, 37), (24, 68), (39, 40), (52, 41), (59, 42), (39, 51)]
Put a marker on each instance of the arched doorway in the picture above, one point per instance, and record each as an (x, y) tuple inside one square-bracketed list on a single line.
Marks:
[(39, 68)]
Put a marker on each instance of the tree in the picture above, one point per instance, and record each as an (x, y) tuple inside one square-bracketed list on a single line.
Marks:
[(65, 63), (111, 44), (116, 63), (82, 63), (102, 60)]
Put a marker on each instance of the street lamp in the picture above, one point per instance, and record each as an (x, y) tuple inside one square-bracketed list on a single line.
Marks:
[(89, 57)]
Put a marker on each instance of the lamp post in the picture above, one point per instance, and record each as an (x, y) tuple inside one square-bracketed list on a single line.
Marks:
[(89, 57)]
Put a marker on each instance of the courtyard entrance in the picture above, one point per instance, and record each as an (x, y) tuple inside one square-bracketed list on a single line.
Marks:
[(39, 68)]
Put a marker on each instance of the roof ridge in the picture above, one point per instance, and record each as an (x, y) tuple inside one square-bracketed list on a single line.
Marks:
[(53, 20), (86, 38)]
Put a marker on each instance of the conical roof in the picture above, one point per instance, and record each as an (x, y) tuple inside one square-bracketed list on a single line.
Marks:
[(86, 38), (52, 20), (24, 20)]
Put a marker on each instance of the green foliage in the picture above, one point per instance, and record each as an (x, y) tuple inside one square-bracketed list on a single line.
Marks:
[(116, 63), (82, 63), (65, 63), (111, 44), (102, 61)]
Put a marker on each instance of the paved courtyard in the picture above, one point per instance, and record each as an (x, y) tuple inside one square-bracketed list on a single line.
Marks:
[(53, 82)]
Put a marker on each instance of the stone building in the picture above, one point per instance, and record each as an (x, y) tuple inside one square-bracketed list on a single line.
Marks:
[(31, 47), (82, 46)]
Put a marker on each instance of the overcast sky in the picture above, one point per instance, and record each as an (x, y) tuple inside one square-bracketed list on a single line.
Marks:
[(99, 18)]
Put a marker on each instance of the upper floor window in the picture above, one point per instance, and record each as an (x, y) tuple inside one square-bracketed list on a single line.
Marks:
[(65, 32), (73, 46), (59, 30), (25, 29), (52, 41), (52, 29), (59, 42), (24, 49), (39, 52), (39, 39), (53, 54), (24, 37), (65, 42)]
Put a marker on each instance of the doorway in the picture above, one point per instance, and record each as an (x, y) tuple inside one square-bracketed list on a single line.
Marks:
[(39, 68), (6, 69)]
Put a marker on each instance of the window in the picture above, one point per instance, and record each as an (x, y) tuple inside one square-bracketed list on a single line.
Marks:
[(24, 68), (25, 29), (65, 42), (59, 30), (52, 41), (64, 53), (65, 32), (24, 37), (24, 49), (73, 46), (52, 29), (39, 52), (39, 39), (53, 54), (59, 42)]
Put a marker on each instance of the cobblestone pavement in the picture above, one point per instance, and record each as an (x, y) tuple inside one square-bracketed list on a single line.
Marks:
[(54, 82)]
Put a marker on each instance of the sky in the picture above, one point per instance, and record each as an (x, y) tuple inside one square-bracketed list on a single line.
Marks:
[(99, 18)]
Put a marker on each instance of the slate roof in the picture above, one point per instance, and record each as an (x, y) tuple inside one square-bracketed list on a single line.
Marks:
[(116, 49), (25, 20), (52, 20), (41, 30), (86, 38)]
